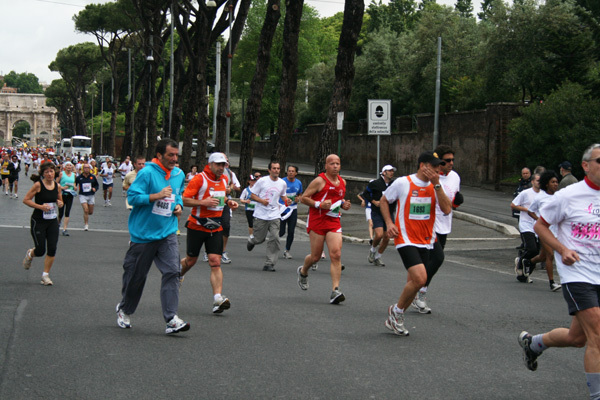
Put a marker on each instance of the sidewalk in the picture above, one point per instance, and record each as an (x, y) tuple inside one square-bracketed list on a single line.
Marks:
[(485, 208)]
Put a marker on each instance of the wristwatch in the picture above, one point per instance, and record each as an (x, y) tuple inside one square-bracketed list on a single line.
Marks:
[(437, 186)]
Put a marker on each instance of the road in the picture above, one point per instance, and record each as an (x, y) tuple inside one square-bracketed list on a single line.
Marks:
[(276, 341)]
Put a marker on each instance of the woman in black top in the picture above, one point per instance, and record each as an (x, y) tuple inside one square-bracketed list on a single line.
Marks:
[(45, 198)]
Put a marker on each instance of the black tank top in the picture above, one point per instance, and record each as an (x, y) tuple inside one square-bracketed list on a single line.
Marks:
[(44, 196)]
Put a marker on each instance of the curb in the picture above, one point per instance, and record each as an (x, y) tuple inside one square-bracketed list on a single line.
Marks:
[(488, 223)]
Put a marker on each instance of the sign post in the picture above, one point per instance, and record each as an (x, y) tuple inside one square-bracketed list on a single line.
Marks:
[(380, 121)]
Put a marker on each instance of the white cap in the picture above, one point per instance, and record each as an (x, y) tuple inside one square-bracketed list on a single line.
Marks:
[(388, 168), (217, 158)]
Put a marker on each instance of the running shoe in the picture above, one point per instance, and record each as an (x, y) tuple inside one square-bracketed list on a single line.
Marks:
[(221, 305), (555, 286), (420, 304), (225, 258), (205, 257), (105, 203), (302, 279), (176, 325), (85, 227), (123, 319), (323, 256), (315, 266), (529, 356), (371, 257), (528, 267), (517, 266), (379, 262), (249, 245), (46, 281), (27, 260), (287, 255), (395, 322), (16, 196), (336, 296), (269, 268), (109, 203), (65, 233)]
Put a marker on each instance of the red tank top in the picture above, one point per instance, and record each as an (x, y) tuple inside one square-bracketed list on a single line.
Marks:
[(329, 192)]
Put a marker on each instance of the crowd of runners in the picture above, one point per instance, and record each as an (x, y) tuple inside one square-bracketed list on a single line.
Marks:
[(558, 222)]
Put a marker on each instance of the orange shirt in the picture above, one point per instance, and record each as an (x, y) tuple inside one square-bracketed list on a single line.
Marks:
[(205, 185)]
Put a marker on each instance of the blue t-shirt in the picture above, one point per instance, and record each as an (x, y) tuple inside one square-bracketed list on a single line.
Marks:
[(292, 191)]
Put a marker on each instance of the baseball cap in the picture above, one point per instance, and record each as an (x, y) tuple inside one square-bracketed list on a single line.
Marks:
[(431, 158), (388, 168), (565, 165), (217, 158)]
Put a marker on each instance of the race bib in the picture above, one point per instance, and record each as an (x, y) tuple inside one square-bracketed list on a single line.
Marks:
[(336, 209), (221, 196), (163, 207), (86, 187), (420, 208), (50, 214), (251, 206)]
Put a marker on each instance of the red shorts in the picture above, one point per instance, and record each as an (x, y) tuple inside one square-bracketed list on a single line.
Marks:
[(323, 225)]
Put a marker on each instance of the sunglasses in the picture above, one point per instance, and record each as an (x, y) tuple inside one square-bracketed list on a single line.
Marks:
[(594, 159), (448, 159)]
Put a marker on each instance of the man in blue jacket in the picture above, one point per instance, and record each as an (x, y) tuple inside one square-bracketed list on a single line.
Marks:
[(156, 199)]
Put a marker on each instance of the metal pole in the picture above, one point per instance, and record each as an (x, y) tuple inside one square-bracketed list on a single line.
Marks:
[(436, 123), (102, 119), (377, 172), (171, 75), (217, 89), (229, 57)]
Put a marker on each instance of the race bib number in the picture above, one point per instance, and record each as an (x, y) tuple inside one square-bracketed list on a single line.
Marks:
[(86, 187), (251, 206), (50, 214), (420, 208), (292, 197), (221, 196), (336, 209), (163, 207)]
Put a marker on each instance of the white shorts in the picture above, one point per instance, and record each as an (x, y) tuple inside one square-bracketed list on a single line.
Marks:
[(368, 213), (87, 199)]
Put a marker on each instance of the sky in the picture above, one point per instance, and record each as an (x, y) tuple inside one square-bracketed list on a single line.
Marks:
[(33, 31)]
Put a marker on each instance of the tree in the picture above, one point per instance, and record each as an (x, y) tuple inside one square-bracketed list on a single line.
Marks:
[(77, 65), (557, 129), (58, 97), (273, 13), (289, 80), (109, 24), (24, 82), (344, 76), (464, 7)]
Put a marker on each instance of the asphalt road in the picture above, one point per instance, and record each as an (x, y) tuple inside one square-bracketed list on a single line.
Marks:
[(276, 341)]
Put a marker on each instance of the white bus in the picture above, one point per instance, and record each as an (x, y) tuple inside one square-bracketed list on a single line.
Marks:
[(81, 145), (63, 148)]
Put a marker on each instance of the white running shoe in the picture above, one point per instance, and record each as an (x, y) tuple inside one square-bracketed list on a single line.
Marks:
[(123, 319), (395, 322), (224, 258), (302, 279), (371, 257), (420, 304), (46, 281), (27, 260), (85, 227), (221, 305), (176, 325)]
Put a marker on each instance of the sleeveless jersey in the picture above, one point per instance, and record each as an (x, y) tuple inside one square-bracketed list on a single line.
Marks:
[(415, 217), (201, 187), (328, 219), (46, 196)]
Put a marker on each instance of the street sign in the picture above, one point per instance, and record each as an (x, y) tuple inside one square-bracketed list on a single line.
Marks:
[(340, 120), (380, 117)]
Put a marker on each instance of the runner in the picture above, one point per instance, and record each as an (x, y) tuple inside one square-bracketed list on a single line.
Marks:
[(45, 198), (66, 179), (372, 195), (266, 193), (140, 162), (107, 174), (574, 210), (87, 186), (413, 230), (249, 204), (450, 182), (290, 216), (233, 187), (156, 199), (4, 172), (206, 193), (325, 198), (125, 168), (14, 167), (27, 159)]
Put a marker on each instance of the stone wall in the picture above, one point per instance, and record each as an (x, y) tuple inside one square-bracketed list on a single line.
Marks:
[(478, 137)]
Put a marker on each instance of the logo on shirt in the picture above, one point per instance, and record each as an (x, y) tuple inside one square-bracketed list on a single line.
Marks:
[(593, 210), (415, 193), (585, 231)]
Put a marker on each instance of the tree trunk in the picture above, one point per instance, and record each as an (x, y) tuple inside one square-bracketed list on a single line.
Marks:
[(344, 76), (289, 80), (257, 87)]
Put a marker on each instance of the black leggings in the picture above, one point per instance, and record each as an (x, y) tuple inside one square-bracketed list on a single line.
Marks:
[(66, 209), (44, 232), (226, 220), (291, 224)]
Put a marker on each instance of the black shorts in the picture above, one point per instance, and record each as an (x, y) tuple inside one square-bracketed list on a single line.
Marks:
[(213, 242), (378, 221), (250, 218), (413, 255), (106, 186), (581, 296)]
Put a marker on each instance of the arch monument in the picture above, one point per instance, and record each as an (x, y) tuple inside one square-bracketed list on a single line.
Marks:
[(32, 108)]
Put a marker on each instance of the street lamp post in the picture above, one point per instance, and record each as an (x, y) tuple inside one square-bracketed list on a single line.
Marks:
[(229, 59)]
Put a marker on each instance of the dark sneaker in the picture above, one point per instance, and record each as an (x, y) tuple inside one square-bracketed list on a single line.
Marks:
[(221, 305), (555, 286), (176, 325), (269, 268), (529, 356), (528, 267), (249, 245), (302, 279), (336, 296)]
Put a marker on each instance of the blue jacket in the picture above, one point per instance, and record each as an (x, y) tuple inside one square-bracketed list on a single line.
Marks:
[(145, 222)]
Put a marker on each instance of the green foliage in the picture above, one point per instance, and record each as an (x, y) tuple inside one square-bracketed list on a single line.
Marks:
[(464, 7), (557, 129), (25, 82), (21, 128)]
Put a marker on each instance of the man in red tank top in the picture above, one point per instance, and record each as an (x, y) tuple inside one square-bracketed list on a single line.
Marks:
[(325, 197)]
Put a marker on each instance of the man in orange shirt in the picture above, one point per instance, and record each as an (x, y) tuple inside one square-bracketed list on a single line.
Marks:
[(412, 230), (206, 193)]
